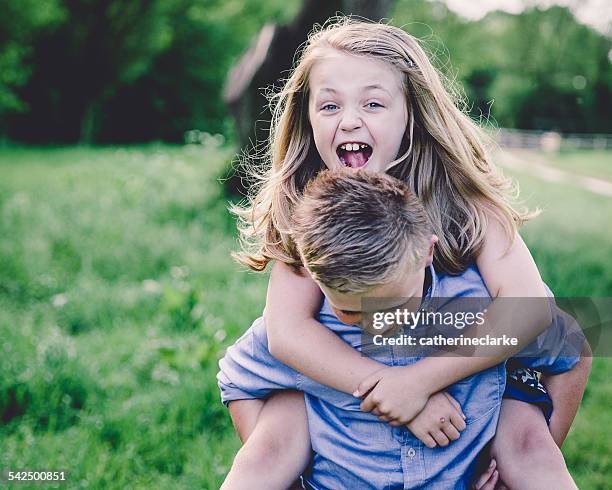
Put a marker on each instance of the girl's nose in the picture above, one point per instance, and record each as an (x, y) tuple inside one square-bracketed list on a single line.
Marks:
[(350, 120)]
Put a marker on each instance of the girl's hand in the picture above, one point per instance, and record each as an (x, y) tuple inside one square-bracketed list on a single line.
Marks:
[(395, 394), (440, 422)]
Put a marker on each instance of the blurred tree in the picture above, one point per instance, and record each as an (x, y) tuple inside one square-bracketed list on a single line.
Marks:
[(19, 23), (546, 78), (109, 71), (135, 70), (182, 90), (99, 46)]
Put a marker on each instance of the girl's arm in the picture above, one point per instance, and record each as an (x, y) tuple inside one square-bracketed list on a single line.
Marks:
[(301, 342), (304, 344), (508, 271)]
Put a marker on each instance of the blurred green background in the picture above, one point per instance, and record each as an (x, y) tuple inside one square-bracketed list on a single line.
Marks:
[(125, 71), (117, 292)]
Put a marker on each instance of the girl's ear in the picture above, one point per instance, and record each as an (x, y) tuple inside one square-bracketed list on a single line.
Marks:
[(432, 243)]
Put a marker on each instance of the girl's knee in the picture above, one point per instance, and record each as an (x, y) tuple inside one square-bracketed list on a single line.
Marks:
[(259, 458), (529, 445), (540, 446)]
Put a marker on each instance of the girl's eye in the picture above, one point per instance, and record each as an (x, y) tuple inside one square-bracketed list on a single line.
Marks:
[(329, 107), (372, 105)]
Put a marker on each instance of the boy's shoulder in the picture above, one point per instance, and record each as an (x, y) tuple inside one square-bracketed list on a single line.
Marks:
[(468, 283)]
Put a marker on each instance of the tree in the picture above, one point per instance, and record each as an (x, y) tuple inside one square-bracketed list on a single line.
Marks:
[(97, 47), (20, 22)]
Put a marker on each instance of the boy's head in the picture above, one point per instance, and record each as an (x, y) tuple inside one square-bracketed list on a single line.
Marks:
[(360, 234)]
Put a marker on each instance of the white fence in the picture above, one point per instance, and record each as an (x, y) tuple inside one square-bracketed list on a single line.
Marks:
[(551, 141)]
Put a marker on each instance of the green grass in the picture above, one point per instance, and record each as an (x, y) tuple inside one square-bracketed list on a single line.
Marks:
[(596, 164), (571, 242), (118, 297)]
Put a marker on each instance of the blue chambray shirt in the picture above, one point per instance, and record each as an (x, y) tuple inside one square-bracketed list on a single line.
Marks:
[(353, 449)]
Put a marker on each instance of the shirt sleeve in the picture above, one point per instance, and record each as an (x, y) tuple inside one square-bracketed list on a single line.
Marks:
[(557, 349), (249, 371)]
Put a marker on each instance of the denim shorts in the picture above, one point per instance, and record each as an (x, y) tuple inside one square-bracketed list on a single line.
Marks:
[(523, 384)]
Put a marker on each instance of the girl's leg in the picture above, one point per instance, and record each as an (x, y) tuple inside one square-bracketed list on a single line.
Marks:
[(526, 454), (277, 447)]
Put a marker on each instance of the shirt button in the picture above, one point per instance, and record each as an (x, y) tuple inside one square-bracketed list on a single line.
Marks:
[(411, 452)]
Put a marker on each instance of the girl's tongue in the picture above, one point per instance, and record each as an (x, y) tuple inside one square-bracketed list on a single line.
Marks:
[(355, 159)]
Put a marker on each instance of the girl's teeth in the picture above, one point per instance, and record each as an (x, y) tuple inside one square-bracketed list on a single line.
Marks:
[(352, 146)]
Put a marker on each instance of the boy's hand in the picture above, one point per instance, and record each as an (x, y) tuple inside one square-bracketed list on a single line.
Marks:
[(394, 394), (489, 480), (440, 421)]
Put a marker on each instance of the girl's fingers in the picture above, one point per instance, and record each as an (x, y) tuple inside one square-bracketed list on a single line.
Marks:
[(457, 421), (455, 404), (369, 403), (451, 431), (440, 438), (428, 441), (367, 385)]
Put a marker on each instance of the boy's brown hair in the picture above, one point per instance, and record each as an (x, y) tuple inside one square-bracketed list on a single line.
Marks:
[(356, 230)]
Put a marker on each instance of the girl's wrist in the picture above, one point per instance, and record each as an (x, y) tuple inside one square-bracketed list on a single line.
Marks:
[(418, 374), (436, 373)]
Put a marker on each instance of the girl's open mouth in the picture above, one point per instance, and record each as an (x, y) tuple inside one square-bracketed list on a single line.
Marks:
[(354, 155)]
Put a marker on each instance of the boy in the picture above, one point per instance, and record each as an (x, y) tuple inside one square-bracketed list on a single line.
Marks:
[(352, 449)]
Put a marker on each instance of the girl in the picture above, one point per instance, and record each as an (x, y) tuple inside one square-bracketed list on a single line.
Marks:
[(366, 95)]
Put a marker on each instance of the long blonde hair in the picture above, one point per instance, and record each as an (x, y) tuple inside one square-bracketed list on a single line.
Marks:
[(443, 158)]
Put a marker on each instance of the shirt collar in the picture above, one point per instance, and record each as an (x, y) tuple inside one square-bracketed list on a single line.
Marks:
[(433, 288), (432, 291)]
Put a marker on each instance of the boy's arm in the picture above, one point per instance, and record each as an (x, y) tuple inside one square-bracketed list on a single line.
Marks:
[(275, 433), (566, 391), (248, 371)]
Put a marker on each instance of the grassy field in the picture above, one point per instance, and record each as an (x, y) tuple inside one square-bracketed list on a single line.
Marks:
[(596, 164), (118, 296)]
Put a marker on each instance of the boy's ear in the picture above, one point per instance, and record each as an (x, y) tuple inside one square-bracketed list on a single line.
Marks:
[(432, 243)]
